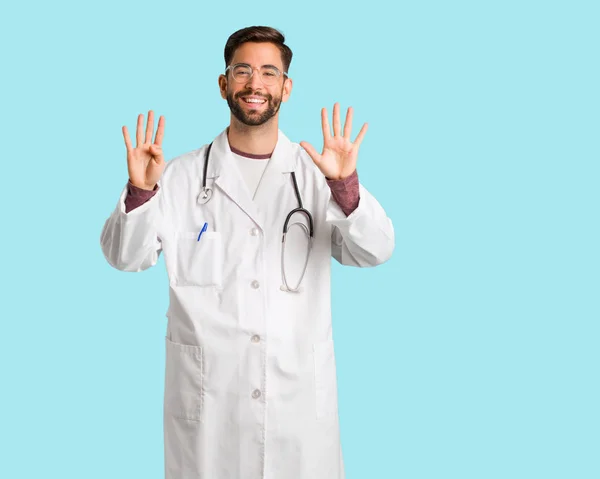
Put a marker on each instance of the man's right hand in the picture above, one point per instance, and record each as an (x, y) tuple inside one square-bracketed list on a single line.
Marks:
[(145, 162)]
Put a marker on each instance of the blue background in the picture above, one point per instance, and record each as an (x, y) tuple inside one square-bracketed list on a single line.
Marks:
[(472, 354)]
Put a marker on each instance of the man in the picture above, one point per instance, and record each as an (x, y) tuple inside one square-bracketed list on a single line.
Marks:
[(250, 381)]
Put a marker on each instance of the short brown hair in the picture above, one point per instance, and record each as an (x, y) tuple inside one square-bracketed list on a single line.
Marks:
[(258, 35)]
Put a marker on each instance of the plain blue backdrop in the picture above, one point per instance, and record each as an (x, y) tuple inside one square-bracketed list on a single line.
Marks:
[(472, 354)]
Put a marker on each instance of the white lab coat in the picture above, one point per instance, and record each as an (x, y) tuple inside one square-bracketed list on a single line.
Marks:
[(250, 377)]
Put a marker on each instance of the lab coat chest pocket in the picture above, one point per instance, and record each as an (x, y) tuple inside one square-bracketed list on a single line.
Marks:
[(183, 380), (199, 262), (325, 379)]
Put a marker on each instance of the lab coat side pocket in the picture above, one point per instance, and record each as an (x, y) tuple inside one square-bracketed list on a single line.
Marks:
[(184, 372), (199, 262), (325, 380)]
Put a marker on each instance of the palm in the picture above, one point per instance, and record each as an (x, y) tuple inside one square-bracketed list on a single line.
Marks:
[(142, 170), (338, 158), (145, 162)]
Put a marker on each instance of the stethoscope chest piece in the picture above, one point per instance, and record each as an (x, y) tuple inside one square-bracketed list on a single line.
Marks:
[(205, 195), (206, 192)]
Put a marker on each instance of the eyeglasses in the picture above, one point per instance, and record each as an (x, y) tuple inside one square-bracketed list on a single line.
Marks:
[(242, 73)]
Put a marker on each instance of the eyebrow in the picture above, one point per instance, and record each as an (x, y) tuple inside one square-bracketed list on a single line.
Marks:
[(268, 65)]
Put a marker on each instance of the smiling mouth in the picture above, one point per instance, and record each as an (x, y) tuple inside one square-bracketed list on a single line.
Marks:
[(254, 101)]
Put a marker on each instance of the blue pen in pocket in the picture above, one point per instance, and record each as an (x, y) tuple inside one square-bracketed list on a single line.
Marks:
[(202, 230)]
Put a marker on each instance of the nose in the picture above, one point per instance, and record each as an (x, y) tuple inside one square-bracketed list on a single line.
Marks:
[(255, 82)]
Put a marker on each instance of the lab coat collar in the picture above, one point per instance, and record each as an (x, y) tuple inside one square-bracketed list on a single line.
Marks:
[(223, 169)]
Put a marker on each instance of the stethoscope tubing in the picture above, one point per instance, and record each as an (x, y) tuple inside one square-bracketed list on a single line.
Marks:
[(206, 194)]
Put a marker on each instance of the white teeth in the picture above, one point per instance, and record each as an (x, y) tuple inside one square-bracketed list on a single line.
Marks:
[(253, 100)]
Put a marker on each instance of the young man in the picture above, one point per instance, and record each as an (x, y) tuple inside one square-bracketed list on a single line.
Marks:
[(250, 382)]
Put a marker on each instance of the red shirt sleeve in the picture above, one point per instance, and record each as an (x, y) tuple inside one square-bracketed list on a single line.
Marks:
[(346, 192), (137, 196)]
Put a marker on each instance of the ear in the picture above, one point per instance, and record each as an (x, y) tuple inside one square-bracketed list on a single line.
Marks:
[(287, 89), (223, 86)]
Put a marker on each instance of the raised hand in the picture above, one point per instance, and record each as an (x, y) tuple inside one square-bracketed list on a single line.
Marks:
[(145, 162), (338, 159)]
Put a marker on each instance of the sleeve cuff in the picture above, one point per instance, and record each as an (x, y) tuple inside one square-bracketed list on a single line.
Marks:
[(346, 192), (137, 196)]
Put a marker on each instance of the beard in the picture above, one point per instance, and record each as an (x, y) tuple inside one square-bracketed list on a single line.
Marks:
[(253, 118)]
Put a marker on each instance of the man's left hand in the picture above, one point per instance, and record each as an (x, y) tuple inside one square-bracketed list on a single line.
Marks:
[(338, 159)]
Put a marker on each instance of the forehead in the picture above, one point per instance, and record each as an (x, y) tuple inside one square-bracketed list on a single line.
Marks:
[(258, 54)]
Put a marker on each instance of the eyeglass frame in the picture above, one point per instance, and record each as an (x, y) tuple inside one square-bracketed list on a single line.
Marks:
[(254, 68)]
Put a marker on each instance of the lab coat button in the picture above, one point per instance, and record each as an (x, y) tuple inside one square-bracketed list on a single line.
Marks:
[(256, 338), (255, 284), (256, 394), (254, 231)]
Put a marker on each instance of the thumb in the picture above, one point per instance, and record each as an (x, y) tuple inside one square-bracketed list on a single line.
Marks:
[(156, 152), (311, 152)]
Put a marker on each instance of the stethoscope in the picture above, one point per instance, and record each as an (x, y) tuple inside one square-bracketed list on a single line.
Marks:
[(207, 192)]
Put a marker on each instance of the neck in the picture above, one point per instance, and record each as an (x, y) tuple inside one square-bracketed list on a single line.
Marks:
[(256, 140)]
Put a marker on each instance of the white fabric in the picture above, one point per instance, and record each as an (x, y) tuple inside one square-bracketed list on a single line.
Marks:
[(252, 170), (250, 384)]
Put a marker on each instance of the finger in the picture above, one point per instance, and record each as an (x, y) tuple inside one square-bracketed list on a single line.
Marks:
[(336, 119), (325, 125), (149, 127), (316, 157), (127, 139), (160, 131), (138, 133), (348, 124), (361, 135)]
